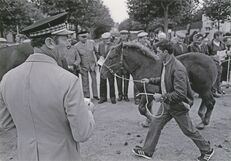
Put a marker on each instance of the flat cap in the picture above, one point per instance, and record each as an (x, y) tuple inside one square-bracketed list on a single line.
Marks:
[(180, 34), (83, 32), (124, 32), (49, 25), (106, 35), (162, 35), (142, 34)]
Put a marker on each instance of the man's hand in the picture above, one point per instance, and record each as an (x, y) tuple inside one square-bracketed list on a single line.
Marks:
[(145, 80), (158, 97), (90, 105)]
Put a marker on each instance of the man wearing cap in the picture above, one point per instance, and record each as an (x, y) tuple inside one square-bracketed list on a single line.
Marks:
[(123, 84), (143, 39), (195, 46), (43, 101), (73, 58), (104, 48), (87, 51), (214, 47), (180, 47)]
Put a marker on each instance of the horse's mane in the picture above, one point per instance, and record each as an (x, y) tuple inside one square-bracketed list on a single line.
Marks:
[(144, 50)]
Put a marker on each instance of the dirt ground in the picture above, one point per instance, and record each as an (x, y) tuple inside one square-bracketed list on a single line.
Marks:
[(118, 130)]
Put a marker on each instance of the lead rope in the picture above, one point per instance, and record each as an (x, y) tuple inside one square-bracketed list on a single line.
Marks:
[(145, 93)]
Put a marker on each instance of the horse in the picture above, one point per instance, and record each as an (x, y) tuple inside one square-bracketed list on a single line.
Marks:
[(12, 56), (141, 62)]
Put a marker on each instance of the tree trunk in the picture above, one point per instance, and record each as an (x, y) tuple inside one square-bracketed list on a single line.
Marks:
[(218, 25), (76, 29), (166, 20)]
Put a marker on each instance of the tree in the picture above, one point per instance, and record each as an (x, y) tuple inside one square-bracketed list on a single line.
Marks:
[(91, 14), (217, 10), (166, 9), (130, 24), (17, 13)]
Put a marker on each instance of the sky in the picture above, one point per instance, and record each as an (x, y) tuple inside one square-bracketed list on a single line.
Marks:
[(118, 9)]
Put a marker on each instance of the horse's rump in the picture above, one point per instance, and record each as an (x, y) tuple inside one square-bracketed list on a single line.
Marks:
[(202, 70), (13, 56)]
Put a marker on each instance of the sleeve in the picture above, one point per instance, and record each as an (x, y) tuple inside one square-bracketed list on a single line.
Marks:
[(80, 118), (155, 81), (77, 57), (6, 121), (179, 93)]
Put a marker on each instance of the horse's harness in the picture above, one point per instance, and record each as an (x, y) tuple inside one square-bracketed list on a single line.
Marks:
[(139, 81)]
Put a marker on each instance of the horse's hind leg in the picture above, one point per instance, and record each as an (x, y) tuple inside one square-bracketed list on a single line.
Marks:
[(202, 110), (209, 103)]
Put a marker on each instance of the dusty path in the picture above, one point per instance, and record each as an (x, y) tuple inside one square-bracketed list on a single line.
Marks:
[(118, 130)]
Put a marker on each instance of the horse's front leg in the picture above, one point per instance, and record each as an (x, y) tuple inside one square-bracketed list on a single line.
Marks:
[(145, 108)]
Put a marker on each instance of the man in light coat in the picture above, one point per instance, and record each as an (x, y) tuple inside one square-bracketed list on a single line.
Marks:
[(87, 52), (45, 102)]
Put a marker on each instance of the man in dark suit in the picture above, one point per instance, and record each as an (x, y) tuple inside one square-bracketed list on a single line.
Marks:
[(123, 84), (104, 48)]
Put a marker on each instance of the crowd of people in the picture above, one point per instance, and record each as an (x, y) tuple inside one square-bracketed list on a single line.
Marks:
[(88, 53)]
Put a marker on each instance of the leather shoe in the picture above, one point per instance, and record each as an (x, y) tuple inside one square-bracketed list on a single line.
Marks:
[(126, 99), (120, 98), (96, 97), (113, 101), (216, 95), (102, 101)]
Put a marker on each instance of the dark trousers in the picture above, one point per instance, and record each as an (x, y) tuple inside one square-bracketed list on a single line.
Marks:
[(122, 91), (184, 122), (216, 87), (103, 87), (136, 91)]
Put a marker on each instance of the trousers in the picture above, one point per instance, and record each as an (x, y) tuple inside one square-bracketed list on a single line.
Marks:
[(103, 87), (85, 83), (184, 122)]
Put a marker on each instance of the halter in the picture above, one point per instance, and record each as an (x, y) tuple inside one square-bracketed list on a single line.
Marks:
[(138, 81)]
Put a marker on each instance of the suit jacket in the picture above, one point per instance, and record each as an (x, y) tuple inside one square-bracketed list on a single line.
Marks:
[(87, 53), (103, 49), (45, 103)]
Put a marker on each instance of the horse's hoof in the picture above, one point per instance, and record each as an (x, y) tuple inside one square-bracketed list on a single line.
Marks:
[(200, 126)]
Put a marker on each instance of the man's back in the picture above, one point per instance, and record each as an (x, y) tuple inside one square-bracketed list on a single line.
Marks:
[(46, 105)]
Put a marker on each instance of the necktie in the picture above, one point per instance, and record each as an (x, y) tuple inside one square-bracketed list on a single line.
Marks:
[(163, 87)]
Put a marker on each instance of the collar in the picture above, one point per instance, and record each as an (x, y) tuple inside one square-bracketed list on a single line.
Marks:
[(171, 57), (40, 57)]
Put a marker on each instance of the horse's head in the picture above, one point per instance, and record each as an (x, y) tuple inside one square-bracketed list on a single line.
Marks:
[(113, 62)]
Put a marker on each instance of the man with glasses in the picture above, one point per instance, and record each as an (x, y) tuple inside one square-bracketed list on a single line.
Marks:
[(87, 51)]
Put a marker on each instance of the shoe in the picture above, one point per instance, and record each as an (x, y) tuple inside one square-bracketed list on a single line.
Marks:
[(137, 101), (140, 153), (96, 97), (221, 92), (120, 98), (126, 99), (113, 101), (200, 126), (216, 95), (206, 156), (102, 101)]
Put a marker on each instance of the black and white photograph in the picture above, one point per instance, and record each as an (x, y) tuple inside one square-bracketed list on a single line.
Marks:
[(115, 80)]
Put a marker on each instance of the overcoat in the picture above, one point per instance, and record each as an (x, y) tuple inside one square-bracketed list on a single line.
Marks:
[(45, 103)]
